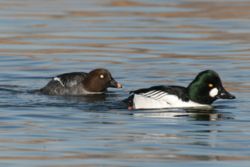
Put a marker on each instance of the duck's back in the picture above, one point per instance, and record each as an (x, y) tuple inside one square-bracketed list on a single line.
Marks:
[(65, 84), (72, 79)]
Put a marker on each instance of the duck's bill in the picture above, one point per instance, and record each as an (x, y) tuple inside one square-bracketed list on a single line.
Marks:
[(115, 84), (225, 95)]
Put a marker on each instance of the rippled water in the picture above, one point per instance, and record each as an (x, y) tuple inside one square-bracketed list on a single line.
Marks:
[(143, 43)]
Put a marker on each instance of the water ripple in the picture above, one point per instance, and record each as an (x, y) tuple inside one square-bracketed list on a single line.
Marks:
[(142, 43)]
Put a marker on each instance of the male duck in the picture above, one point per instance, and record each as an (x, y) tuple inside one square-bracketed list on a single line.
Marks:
[(81, 83), (201, 92)]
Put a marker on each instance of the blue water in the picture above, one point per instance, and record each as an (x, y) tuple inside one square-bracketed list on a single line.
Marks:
[(142, 43)]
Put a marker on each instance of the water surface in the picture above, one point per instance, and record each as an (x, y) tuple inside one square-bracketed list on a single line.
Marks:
[(143, 43)]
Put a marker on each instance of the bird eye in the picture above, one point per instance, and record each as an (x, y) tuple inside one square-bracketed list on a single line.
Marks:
[(101, 76), (210, 85)]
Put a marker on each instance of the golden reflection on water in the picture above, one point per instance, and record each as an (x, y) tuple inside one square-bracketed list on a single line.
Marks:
[(148, 157)]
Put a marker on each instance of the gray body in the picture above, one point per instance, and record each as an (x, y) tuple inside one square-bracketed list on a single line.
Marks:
[(66, 84)]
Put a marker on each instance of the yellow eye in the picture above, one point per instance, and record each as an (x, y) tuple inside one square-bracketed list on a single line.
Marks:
[(101, 76), (210, 85)]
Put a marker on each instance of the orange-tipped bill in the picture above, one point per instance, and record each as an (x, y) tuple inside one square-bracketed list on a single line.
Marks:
[(115, 84)]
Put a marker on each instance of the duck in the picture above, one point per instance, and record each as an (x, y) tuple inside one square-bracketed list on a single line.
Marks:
[(81, 83), (201, 92)]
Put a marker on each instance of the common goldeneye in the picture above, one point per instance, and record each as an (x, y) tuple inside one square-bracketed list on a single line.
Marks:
[(81, 83), (201, 92)]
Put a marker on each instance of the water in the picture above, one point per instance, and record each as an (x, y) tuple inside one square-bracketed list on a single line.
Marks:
[(142, 43)]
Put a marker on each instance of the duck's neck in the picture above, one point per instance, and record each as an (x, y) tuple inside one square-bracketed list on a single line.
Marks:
[(92, 86)]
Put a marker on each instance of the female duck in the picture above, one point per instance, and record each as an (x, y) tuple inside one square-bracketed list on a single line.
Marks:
[(81, 83)]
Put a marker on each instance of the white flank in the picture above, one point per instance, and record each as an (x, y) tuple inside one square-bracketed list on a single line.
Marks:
[(213, 92), (142, 101), (59, 80)]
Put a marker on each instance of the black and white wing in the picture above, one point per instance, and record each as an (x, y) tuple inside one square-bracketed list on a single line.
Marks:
[(159, 92)]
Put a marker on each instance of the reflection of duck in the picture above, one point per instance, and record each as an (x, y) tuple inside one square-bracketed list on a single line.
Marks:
[(193, 113), (201, 92), (80, 83)]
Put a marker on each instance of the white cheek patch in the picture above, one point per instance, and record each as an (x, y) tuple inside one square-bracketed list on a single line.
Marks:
[(213, 92), (59, 80)]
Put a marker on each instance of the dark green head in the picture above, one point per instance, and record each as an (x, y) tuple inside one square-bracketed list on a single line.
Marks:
[(207, 87)]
